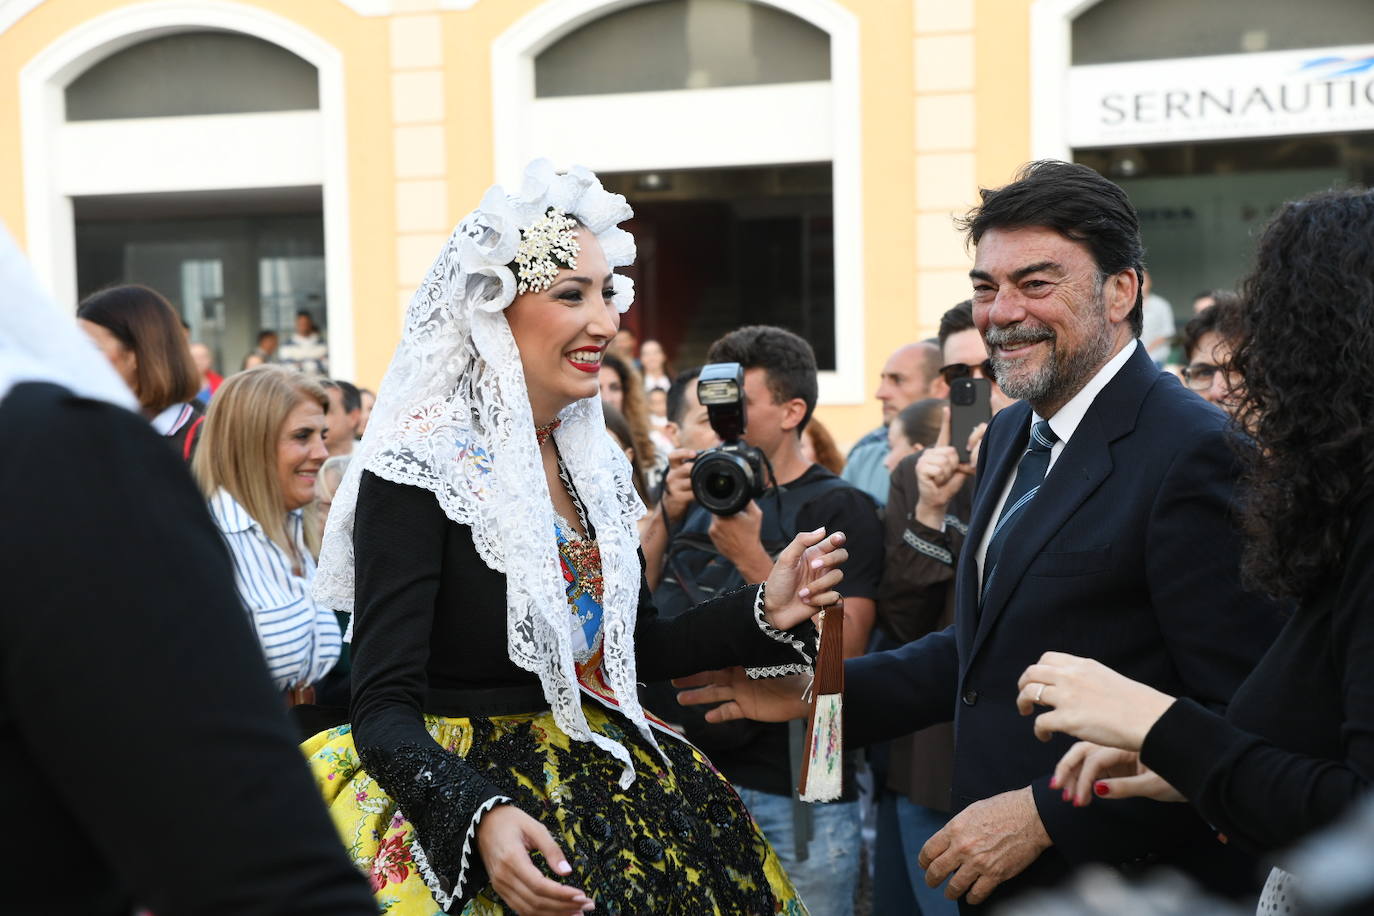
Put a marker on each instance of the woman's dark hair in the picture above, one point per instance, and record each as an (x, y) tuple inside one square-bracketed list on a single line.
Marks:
[(1306, 353), (1223, 317), (142, 320), (617, 426), (1080, 205), (788, 360), (921, 421)]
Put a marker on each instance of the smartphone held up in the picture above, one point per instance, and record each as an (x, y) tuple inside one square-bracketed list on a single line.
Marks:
[(970, 404)]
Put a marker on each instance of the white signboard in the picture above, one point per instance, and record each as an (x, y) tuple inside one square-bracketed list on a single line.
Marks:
[(1320, 90)]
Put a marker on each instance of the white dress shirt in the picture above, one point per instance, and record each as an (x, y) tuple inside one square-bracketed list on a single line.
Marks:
[(300, 640), (1064, 423)]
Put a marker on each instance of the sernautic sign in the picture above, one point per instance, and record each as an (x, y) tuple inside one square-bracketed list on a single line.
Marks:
[(1275, 93)]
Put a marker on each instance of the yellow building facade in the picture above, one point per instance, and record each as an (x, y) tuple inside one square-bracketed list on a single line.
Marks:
[(342, 139), (405, 139)]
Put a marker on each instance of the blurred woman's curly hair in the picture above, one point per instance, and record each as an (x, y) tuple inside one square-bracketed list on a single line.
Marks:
[(1306, 354)]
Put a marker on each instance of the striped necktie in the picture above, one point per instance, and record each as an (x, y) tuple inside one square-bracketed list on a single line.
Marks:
[(1030, 473)]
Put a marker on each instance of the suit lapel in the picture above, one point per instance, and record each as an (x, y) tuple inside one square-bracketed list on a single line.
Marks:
[(1085, 463)]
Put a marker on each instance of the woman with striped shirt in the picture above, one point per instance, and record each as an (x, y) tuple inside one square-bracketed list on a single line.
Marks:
[(262, 447)]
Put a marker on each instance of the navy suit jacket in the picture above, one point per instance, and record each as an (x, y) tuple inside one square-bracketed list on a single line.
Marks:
[(1128, 555)]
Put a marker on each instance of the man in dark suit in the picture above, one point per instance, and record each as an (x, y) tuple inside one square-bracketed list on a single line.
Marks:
[(1101, 526)]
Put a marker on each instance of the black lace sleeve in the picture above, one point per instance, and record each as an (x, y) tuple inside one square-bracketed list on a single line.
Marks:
[(398, 541), (444, 799)]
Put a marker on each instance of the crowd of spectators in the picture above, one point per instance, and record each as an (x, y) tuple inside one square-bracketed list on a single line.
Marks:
[(268, 446)]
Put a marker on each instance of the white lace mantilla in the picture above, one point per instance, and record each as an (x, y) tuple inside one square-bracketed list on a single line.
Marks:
[(453, 416)]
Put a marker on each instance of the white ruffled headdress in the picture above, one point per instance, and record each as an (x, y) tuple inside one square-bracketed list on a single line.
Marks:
[(453, 416)]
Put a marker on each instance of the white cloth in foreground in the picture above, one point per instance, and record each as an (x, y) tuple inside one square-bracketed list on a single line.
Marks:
[(38, 343)]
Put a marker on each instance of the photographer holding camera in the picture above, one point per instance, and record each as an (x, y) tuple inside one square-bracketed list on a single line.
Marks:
[(750, 496)]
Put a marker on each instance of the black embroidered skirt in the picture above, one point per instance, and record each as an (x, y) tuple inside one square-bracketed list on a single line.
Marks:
[(677, 842)]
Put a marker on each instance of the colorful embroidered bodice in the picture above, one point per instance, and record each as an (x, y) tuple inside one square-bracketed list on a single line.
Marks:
[(580, 560)]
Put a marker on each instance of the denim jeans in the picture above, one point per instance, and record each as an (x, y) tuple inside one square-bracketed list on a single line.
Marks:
[(827, 878), (899, 884)]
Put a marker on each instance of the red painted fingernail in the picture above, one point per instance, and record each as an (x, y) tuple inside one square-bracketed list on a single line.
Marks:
[(1054, 782), (1066, 795), (1101, 788)]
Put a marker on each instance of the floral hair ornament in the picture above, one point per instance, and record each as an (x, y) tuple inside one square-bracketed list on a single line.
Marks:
[(549, 242)]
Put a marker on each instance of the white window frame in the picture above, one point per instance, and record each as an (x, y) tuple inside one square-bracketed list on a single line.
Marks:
[(52, 170), (772, 126), (1051, 57)]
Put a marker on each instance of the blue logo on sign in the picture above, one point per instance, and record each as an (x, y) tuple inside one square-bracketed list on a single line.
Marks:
[(1333, 67)]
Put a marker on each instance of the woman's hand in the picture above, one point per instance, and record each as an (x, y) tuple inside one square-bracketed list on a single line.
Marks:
[(769, 699), (803, 579), (1090, 769), (505, 837), (1089, 701)]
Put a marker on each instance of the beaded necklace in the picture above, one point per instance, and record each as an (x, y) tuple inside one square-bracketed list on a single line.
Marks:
[(542, 433)]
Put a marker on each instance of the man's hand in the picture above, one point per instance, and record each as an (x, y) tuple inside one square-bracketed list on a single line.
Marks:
[(939, 476), (739, 538), (677, 483), (770, 699), (987, 843)]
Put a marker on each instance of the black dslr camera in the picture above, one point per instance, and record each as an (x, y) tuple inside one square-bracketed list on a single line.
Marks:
[(726, 478)]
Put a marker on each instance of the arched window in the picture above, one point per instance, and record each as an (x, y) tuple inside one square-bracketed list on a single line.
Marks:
[(233, 259), (194, 73), (731, 126), (1116, 31), (683, 44)]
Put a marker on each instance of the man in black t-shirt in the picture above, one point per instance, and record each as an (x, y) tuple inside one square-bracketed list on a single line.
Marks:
[(818, 844)]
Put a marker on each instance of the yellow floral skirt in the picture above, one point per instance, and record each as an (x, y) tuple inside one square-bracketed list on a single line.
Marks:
[(677, 841)]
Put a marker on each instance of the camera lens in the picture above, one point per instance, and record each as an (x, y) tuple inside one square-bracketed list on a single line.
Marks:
[(723, 481), (962, 392), (719, 485)]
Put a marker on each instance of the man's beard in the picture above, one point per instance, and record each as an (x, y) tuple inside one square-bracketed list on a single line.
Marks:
[(1061, 375)]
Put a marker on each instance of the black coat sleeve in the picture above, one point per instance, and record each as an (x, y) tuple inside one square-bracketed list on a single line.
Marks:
[(890, 694), (1262, 794), (135, 686), (398, 539)]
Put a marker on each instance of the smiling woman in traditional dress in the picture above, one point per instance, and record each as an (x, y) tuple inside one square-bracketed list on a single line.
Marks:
[(498, 759)]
